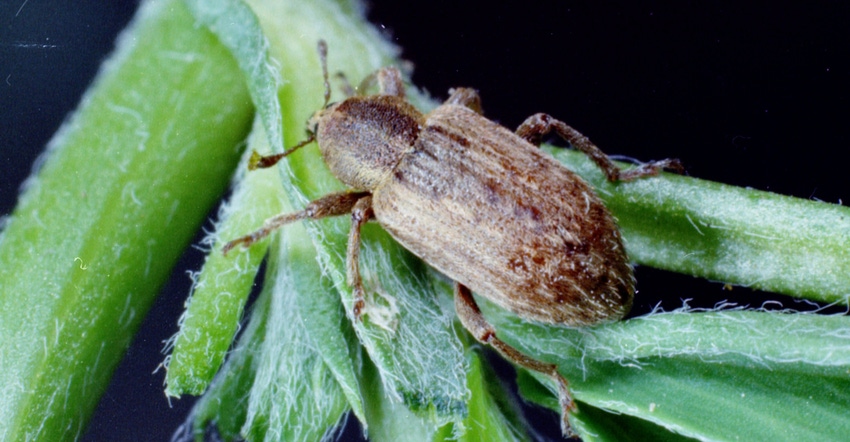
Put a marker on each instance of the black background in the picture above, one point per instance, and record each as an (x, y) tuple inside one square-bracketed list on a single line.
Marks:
[(748, 94)]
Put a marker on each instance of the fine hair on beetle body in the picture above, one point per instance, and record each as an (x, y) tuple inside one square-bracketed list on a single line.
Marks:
[(478, 202)]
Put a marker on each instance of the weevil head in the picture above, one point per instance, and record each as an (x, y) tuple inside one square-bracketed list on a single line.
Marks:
[(362, 139)]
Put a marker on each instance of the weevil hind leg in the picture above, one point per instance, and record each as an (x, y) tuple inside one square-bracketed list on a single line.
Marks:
[(464, 96), (333, 204), (535, 127), (472, 319), (361, 214)]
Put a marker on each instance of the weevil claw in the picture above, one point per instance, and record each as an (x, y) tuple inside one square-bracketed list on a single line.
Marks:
[(359, 303)]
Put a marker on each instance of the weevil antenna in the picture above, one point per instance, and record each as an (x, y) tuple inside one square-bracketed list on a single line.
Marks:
[(323, 58), (258, 161)]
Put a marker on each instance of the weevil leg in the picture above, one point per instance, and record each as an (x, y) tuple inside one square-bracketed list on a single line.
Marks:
[(347, 88), (360, 215), (535, 127), (464, 96), (334, 204), (389, 82), (472, 319)]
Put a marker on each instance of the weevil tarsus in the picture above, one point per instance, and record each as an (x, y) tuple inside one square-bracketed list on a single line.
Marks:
[(651, 169), (472, 319), (537, 126)]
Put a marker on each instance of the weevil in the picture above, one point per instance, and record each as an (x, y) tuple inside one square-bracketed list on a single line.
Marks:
[(481, 204)]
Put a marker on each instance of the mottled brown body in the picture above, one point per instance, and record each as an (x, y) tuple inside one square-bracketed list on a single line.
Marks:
[(498, 215), (483, 206), (478, 202)]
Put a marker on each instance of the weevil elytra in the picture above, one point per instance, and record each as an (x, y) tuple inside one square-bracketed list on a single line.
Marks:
[(481, 204)]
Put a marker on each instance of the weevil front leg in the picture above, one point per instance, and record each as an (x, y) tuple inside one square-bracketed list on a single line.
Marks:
[(535, 127), (388, 78), (334, 204), (361, 214), (472, 319)]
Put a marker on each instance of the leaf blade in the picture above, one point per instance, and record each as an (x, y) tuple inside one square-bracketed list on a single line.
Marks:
[(712, 376), (129, 179), (724, 233)]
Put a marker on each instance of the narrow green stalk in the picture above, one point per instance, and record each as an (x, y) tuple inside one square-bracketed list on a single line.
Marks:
[(724, 233), (126, 183), (216, 304)]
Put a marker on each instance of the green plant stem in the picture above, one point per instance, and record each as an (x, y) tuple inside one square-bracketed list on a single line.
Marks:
[(127, 182), (725, 233)]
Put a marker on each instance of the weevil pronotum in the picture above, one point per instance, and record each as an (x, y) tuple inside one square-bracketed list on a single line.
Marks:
[(481, 204)]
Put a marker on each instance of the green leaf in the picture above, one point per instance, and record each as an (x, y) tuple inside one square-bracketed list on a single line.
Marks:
[(212, 317), (214, 309), (309, 326), (390, 420), (294, 396), (236, 26), (126, 183), (724, 233), (714, 375), (493, 415), (275, 384), (596, 424), (403, 318), (225, 403)]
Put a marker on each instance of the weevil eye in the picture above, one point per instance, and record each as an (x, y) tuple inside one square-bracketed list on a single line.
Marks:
[(313, 122)]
